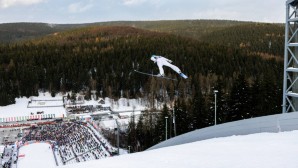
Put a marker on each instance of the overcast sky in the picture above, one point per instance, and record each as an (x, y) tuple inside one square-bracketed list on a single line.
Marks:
[(86, 11)]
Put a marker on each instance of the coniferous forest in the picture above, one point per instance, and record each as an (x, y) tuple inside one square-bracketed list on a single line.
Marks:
[(243, 62)]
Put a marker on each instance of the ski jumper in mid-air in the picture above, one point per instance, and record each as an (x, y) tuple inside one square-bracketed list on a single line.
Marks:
[(162, 61)]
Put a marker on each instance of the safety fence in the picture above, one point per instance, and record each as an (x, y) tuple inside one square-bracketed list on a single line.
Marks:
[(27, 118)]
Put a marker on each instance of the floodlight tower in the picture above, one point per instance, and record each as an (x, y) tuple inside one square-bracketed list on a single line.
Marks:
[(290, 88)]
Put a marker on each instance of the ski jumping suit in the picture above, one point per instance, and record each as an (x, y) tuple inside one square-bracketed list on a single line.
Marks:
[(162, 61)]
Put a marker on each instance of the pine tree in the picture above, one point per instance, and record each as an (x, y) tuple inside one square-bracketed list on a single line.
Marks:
[(257, 95), (198, 107), (271, 100), (239, 101), (140, 134), (132, 134), (149, 132), (182, 117), (221, 102), (160, 131)]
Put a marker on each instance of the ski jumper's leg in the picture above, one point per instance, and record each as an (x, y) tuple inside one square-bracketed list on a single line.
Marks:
[(160, 64), (175, 68)]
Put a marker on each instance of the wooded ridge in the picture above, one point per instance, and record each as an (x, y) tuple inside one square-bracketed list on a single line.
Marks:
[(242, 60)]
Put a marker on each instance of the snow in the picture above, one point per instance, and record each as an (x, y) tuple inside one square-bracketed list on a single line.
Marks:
[(123, 105), (263, 150), (20, 111), (36, 155), (26, 108)]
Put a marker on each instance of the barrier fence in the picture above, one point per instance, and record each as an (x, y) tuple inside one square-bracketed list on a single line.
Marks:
[(27, 118)]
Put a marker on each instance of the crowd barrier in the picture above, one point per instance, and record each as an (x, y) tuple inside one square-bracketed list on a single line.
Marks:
[(27, 118)]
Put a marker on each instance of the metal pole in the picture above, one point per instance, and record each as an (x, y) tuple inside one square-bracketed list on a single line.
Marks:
[(215, 92), (174, 121), (166, 127), (117, 137), (285, 59)]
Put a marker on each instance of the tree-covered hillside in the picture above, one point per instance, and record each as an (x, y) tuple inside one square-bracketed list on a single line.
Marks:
[(12, 32), (263, 39), (103, 58), (236, 60)]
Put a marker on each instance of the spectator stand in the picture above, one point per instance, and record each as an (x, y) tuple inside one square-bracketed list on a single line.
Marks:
[(72, 142)]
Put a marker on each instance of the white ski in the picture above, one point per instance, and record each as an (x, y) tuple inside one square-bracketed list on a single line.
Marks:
[(155, 75)]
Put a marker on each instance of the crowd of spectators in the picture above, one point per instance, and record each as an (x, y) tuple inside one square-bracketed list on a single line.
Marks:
[(72, 141), (9, 156)]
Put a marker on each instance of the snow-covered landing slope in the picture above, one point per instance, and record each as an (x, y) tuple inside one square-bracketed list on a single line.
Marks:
[(263, 150), (272, 123), (36, 155)]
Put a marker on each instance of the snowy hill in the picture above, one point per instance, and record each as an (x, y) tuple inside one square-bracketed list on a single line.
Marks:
[(272, 123), (263, 150), (36, 155)]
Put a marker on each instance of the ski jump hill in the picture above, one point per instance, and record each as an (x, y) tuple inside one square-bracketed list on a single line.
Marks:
[(272, 123)]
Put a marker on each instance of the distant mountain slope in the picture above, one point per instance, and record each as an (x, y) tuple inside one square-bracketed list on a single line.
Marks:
[(12, 32), (258, 38), (191, 28), (18, 31), (263, 39)]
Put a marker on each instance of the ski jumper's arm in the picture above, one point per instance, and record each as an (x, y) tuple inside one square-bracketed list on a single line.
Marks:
[(170, 61)]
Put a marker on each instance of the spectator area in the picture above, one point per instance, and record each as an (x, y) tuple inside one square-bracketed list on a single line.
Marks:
[(72, 142)]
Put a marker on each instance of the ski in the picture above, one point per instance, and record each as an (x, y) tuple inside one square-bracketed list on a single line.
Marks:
[(144, 73), (183, 75)]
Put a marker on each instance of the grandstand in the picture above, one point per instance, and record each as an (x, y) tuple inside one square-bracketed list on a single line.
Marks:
[(72, 142)]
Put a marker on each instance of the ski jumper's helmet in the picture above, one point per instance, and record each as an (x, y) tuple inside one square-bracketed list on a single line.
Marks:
[(153, 58)]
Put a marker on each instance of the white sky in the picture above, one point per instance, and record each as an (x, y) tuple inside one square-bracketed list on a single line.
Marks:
[(86, 11)]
